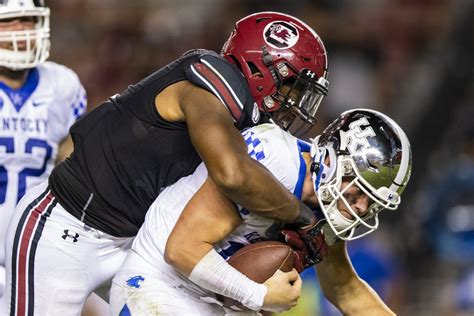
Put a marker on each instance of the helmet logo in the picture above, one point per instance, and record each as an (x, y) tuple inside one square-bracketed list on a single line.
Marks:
[(356, 138), (280, 35)]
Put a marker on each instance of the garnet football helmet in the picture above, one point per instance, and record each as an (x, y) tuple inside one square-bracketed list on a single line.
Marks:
[(24, 49), (284, 62), (367, 151)]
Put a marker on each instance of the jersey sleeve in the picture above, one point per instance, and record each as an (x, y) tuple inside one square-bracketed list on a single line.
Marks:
[(75, 99), (224, 80), (70, 101), (70, 95), (277, 151)]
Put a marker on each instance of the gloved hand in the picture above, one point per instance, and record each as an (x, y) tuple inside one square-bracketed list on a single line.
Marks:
[(307, 243)]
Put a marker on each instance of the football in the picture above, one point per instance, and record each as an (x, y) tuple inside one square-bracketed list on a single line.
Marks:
[(259, 261)]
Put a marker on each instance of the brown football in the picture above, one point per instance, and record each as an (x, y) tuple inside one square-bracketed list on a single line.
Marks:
[(259, 261)]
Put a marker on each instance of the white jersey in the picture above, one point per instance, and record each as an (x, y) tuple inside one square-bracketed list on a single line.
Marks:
[(277, 150), (34, 119)]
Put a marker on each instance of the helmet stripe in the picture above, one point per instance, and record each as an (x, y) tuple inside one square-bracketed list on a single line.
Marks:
[(405, 144), (405, 163)]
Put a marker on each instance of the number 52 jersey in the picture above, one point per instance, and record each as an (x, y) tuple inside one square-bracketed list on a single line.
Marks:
[(34, 119)]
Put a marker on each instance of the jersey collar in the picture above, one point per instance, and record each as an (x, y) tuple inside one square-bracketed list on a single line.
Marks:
[(19, 96)]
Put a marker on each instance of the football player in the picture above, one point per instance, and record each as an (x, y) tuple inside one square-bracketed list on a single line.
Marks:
[(127, 150), (39, 101), (358, 166)]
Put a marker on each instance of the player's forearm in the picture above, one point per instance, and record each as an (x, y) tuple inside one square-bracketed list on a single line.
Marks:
[(357, 298), (257, 190), (210, 271), (343, 287), (185, 256), (207, 219), (216, 275)]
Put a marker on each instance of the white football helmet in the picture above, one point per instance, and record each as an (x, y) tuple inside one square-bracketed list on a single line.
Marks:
[(371, 154), (35, 49)]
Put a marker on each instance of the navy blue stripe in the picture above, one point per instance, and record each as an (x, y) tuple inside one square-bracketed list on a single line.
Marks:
[(304, 146), (31, 262), (301, 175), (15, 251)]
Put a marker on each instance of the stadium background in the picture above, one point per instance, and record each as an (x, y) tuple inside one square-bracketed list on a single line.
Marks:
[(411, 59)]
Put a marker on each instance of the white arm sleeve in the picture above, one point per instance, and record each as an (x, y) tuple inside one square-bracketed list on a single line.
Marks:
[(215, 274)]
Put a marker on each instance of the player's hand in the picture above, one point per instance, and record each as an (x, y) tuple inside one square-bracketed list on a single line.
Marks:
[(308, 245), (284, 289)]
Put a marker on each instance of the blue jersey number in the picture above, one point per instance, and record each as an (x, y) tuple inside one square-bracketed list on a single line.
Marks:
[(8, 143)]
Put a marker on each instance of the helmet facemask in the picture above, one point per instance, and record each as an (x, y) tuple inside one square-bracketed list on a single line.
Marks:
[(24, 49), (338, 195), (299, 98)]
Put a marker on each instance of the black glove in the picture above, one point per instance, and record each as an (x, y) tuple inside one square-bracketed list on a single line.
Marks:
[(308, 244)]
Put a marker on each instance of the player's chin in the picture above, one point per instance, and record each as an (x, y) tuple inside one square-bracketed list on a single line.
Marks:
[(346, 214)]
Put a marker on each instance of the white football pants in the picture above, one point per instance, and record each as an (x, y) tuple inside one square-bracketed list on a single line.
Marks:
[(53, 262), (140, 289)]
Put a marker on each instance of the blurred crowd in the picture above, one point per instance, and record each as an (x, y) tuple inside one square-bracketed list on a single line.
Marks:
[(411, 59)]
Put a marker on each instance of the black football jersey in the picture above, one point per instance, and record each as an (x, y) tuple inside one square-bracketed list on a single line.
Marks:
[(125, 153)]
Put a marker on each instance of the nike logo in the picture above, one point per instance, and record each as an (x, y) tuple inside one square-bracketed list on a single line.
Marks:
[(35, 104)]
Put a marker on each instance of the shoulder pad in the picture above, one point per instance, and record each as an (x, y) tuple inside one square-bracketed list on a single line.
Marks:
[(215, 74)]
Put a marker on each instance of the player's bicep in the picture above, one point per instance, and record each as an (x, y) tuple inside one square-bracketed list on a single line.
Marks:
[(207, 218), (214, 136)]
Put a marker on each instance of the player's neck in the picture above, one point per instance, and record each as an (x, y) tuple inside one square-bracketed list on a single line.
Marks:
[(13, 78)]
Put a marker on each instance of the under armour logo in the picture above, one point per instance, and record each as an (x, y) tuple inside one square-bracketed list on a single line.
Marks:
[(291, 101), (68, 235), (311, 74), (390, 196), (356, 138)]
